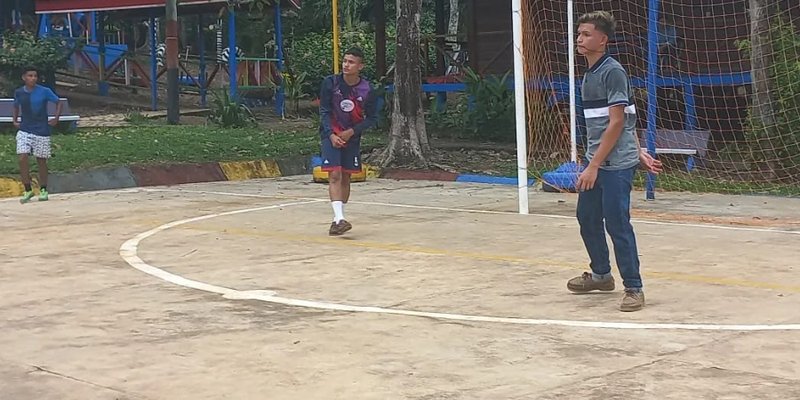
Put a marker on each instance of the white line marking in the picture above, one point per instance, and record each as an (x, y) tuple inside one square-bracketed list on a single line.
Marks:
[(432, 208), (474, 211), (129, 252)]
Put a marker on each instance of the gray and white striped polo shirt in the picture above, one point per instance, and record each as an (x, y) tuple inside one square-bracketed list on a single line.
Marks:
[(606, 85)]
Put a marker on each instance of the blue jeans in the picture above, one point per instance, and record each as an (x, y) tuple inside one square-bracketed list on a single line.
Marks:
[(607, 208)]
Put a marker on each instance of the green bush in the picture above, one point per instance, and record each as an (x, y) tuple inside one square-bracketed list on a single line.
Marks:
[(778, 147), (229, 113), (484, 112), (312, 55), (7, 86), (492, 113), (23, 49), (294, 86)]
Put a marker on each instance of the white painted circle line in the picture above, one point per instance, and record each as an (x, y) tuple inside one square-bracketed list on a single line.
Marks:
[(129, 252), (130, 249), (474, 211)]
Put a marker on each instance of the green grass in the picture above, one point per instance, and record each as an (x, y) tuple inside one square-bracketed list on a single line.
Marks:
[(94, 148), (677, 181), (693, 182), (154, 144)]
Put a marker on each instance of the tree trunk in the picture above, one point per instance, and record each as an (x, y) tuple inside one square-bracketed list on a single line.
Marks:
[(441, 31), (763, 101), (380, 39), (408, 139)]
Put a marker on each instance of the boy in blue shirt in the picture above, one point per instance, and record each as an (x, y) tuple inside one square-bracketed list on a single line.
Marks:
[(33, 135)]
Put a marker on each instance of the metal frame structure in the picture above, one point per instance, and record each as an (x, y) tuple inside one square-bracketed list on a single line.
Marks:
[(97, 9)]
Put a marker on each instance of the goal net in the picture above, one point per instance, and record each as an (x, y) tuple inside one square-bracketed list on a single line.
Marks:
[(716, 87)]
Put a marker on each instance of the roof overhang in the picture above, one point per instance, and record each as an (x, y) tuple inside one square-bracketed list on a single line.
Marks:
[(72, 6)]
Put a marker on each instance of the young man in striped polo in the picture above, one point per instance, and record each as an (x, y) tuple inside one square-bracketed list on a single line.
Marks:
[(612, 154)]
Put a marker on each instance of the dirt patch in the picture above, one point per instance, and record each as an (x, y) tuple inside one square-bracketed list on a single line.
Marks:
[(705, 219), (465, 158)]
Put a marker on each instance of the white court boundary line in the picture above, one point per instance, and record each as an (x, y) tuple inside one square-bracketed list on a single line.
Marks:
[(433, 208), (472, 211), (129, 252)]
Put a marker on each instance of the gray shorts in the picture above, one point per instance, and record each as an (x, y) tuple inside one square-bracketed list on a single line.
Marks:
[(28, 143)]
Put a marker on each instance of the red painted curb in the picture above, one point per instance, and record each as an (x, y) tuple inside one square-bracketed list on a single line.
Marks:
[(164, 175), (419, 175)]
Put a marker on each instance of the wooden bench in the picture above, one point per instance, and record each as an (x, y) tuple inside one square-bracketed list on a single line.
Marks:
[(7, 111), (690, 143)]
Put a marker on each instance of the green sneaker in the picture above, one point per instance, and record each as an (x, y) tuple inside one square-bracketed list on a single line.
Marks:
[(26, 197), (43, 195)]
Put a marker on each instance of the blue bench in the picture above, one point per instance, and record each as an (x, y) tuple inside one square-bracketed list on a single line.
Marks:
[(690, 143), (7, 111)]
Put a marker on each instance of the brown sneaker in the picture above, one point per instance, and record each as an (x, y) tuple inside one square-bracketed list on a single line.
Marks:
[(340, 228), (633, 301), (585, 284)]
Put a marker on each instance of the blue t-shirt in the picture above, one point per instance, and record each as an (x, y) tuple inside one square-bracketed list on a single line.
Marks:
[(34, 109)]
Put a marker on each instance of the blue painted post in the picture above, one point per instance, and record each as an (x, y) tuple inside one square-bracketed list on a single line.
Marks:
[(102, 85), (441, 101), (652, 89), (153, 63), (93, 26), (44, 25), (280, 95), (691, 107), (691, 118), (16, 20), (201, 44), (232, 64)]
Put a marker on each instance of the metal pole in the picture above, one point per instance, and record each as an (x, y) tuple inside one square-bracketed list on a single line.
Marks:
[(519, 97), (153, 63), (128, 33), (16, 20), (690, 107), (279, 96), (573, 115), (44, 25), (336, 37), (652, 89), (93, 25), (233, 66), (201, 45), (3, 21), (173, 94), (102, 86)]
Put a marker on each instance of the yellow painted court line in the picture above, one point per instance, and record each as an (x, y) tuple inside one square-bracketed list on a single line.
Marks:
[(244, 170), (539, 262), (10, 187)]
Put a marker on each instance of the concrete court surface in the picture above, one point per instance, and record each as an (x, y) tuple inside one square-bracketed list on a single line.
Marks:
[(439, 292)]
